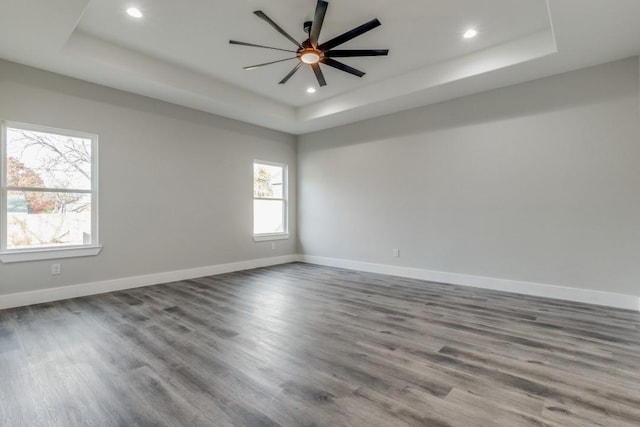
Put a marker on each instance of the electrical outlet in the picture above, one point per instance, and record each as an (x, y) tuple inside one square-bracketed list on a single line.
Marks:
[(56, 269), (396, 253), (273, 245)]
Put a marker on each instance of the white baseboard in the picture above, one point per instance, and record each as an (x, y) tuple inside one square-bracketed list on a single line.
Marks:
[(55, 294), (608, 299), (629, 302)]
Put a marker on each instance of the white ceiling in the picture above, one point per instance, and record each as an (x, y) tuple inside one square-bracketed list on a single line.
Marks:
[(179, 51), (419, 33)]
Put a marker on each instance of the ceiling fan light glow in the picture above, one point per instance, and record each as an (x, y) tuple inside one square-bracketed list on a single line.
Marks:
[(134, 12), (311, 90), (309, 57)]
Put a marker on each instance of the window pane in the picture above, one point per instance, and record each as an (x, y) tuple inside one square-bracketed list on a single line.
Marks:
[(268, 181), (46, 160), (268, 216), (47, 219)]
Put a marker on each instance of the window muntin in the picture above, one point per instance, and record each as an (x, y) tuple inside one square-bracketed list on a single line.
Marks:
[(269, 198), (49, 187)]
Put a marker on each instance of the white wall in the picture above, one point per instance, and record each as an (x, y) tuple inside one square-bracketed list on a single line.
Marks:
[(538, 182), (175, 184)]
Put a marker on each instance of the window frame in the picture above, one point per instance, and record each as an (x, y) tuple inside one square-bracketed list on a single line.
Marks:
[(264, 237), (51, 252)]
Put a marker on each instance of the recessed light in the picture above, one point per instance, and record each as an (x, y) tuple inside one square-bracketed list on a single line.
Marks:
[(470, 33), (134, 12), (311, 90)]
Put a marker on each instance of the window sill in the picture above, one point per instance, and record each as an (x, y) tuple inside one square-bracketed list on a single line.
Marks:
[(43, 254), (269, 237)]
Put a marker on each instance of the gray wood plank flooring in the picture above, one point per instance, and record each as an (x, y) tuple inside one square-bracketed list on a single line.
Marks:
[(303, 345)]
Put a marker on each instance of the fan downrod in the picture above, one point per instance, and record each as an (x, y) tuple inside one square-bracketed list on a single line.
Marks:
[(307, 26)]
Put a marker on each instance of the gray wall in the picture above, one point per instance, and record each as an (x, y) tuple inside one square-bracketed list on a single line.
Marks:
[(175, 184), (538, 182)]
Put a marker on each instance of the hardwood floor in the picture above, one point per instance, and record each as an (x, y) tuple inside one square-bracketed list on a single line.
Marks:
[(306, 345)]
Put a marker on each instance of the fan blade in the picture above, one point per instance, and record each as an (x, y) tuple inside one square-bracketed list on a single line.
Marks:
[(259, 45), (356, 52), (253, 67), (291, 73), (319, 75), (318, 20), (343, 67), (279, 29), (343, 38)]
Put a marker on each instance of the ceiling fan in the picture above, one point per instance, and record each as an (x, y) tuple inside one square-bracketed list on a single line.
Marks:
[(313, 53)]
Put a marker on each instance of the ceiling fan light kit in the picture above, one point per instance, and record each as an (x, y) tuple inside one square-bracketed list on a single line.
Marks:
[(311, 52), (309, 56)]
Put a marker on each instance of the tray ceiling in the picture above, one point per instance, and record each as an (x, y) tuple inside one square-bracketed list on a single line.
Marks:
[(179, 51)]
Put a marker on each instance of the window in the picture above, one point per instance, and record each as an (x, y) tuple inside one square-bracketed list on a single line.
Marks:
[(49, 193), (269, 201)]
